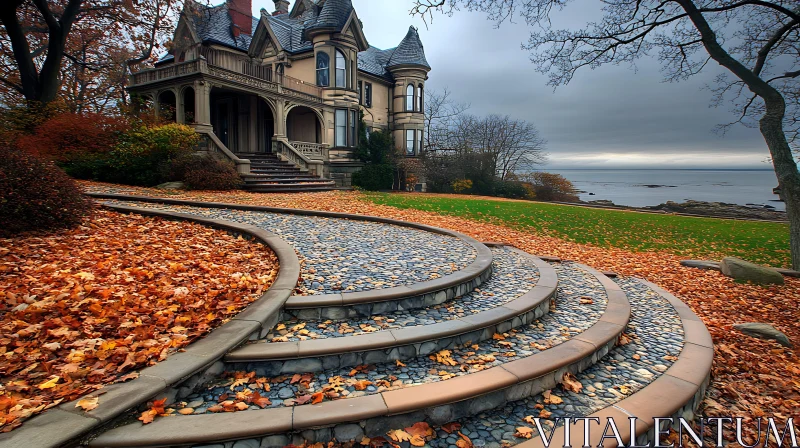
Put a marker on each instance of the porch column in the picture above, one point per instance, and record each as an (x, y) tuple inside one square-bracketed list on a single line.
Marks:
[(180, 116), (156, 104), (280, 118), (202, 105)]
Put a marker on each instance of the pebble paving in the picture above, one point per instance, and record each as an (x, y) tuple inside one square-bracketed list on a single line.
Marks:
[(342, 255), (656, 339), (580, 304), (513, 274)]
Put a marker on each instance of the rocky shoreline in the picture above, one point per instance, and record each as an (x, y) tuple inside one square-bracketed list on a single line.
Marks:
[(702, 208)]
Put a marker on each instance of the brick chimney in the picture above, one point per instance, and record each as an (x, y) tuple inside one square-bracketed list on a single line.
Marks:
[(281, 7), (241, 12)]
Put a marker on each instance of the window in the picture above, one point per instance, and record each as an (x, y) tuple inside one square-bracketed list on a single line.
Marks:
[(353, 137), (340, 123), (410, 98), (341, 70), (419, 99), (421, 142), (360, 93), (410, 142), (323, 73), (368, 131), (368, 94)]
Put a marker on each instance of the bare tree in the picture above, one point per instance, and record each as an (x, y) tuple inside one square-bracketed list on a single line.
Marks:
[(756, 41), (440, 114), (513, 145)]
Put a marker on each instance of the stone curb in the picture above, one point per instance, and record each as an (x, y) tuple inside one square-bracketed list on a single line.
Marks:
[(452, 282), (439, 402), (62, 424), (676, 393), (400, 343)]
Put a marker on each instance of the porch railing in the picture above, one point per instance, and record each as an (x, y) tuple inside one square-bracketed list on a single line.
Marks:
[(171, 71), (313, 151), (236, 66)]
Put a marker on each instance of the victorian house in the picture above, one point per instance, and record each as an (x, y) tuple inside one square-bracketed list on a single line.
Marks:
[(280, 95)]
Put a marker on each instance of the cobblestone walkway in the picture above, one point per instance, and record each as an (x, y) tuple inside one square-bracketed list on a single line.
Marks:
[(656, 338), (342, 255), (513, 274), (580, 304)]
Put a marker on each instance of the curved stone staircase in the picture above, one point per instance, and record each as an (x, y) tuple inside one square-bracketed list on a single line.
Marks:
[(482, 346)]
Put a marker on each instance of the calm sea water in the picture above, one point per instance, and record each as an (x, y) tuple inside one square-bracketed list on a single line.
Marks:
[(630, 187)]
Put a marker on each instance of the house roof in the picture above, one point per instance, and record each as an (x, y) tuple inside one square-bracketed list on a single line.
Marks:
[(213, 25), (409, 52)]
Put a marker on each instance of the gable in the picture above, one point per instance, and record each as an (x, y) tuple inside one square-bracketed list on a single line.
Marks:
[(264, 44), (184, 36), (353, 28)]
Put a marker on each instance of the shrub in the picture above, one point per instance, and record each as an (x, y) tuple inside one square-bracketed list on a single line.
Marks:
[(374, 177), (68, 136), (461, 185), (143, 156), (511, 189), (552, 187), (205, 172), (37, 195)]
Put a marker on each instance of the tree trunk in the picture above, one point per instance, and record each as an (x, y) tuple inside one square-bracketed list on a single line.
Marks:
[(771, 126)]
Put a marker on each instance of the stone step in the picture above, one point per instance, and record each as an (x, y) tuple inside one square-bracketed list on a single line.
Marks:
[(274, 177), (283, 179), (441, 392), (282, 187), (518, 292)]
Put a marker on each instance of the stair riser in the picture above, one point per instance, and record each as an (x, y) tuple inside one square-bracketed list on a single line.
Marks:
[(398, 352)]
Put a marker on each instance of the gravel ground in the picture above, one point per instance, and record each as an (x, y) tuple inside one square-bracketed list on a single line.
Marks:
[(580, 303), (341, 255), (656, 335), (513, 275)]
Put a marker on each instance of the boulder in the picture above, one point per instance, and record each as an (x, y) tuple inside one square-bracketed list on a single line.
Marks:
[(764, 331), (750, 272), (171, 186)]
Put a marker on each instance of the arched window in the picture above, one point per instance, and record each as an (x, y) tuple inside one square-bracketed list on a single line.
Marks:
[(419, 99), (323, 73), (341, 70), (410, 98)]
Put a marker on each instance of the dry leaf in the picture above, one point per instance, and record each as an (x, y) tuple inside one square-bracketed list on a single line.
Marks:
[(88, 403)]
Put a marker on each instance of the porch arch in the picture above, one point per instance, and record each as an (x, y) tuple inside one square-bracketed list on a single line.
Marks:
[(304, 124), (187, 95), (167, 105)]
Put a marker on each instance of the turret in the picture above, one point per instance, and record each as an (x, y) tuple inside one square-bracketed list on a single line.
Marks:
[(410, 69)]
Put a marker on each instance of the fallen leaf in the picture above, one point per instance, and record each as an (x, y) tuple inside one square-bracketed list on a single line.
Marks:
[(88, 403)]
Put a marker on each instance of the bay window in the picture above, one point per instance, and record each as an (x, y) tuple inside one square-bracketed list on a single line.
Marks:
[(323, 69), (410, 98), (341, 70), (340, 125), (410, 142)]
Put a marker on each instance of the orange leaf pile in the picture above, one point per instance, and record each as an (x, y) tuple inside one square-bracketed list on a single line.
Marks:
[(82, 308)]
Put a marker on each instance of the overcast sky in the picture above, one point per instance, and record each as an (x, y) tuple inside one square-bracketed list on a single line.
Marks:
[(612, 117)]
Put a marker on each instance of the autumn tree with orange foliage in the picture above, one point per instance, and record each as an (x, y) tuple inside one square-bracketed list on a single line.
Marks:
[(78, 51)]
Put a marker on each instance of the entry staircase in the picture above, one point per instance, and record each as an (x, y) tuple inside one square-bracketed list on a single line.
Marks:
[(269, 174)]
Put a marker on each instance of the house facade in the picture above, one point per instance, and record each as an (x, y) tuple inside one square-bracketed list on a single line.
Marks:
[(283, 92)]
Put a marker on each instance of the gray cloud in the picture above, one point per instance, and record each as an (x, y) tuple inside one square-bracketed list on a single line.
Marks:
[(609, 117)]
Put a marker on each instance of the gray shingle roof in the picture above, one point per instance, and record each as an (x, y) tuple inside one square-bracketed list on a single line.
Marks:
[(373, 61), (409, 52), (334, 14)]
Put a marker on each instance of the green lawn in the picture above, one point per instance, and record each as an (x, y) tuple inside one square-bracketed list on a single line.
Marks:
[(760, 242)]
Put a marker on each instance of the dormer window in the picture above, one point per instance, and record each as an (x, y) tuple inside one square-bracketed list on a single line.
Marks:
[(410, 98), (341, 70), (323, 69)]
